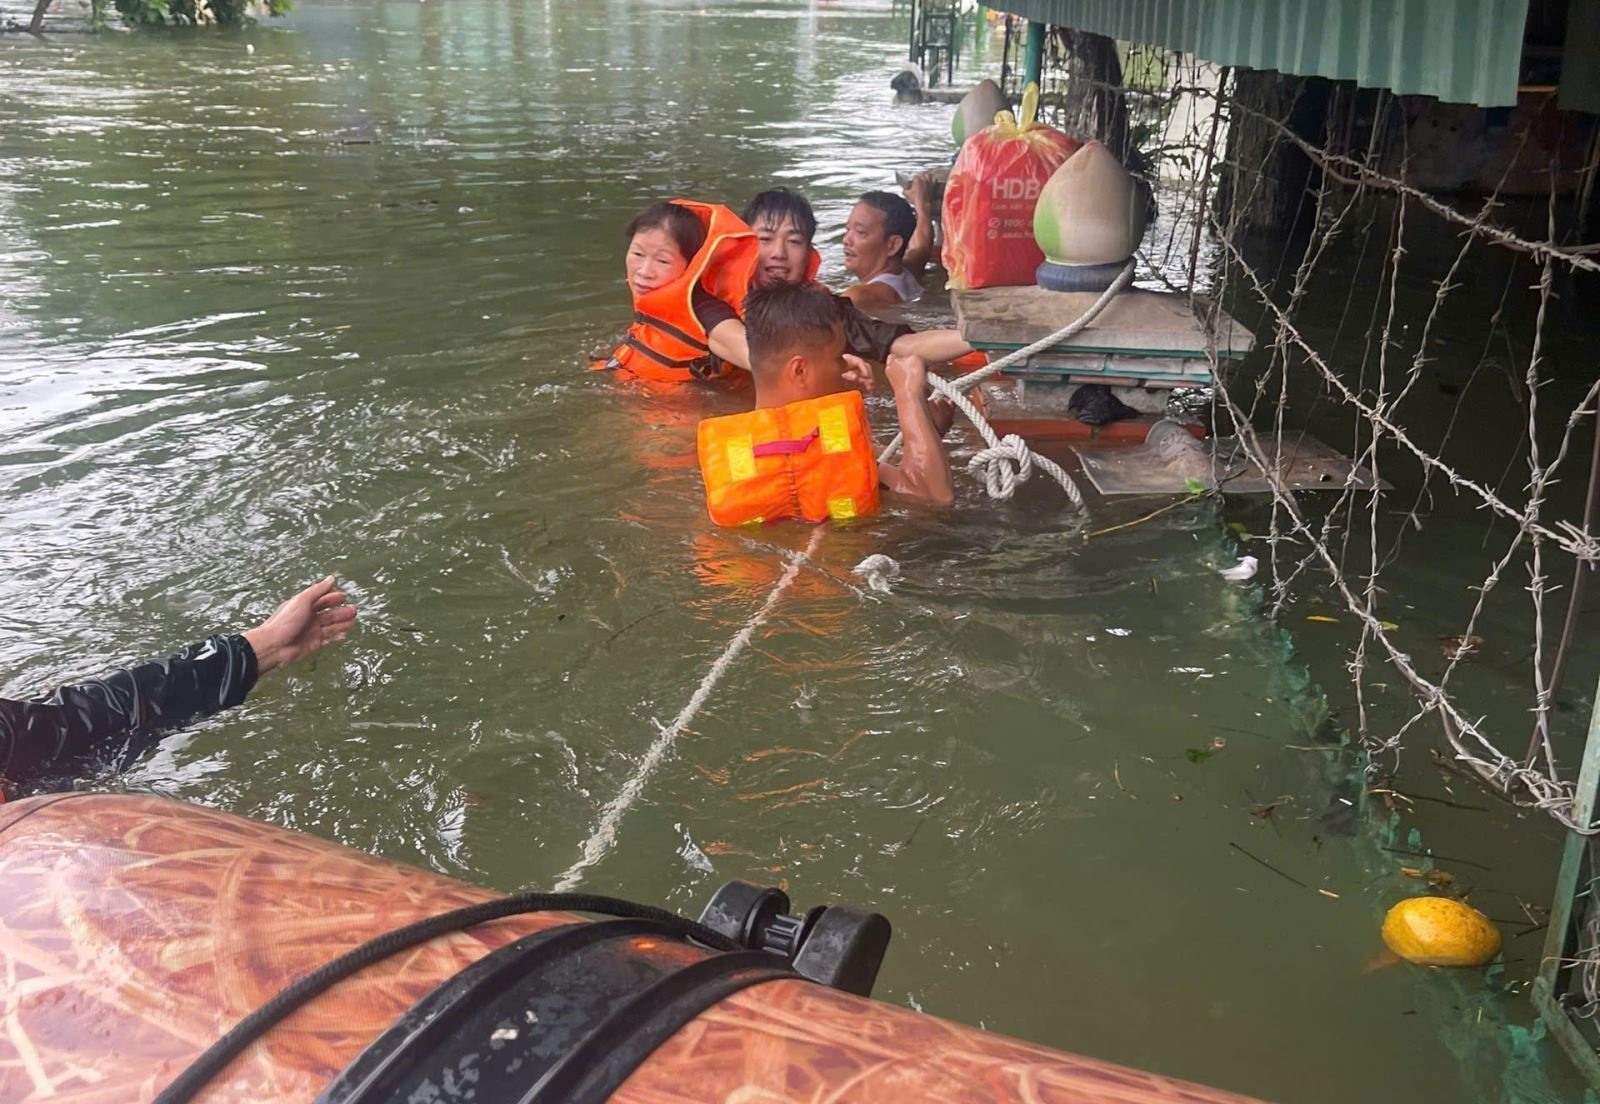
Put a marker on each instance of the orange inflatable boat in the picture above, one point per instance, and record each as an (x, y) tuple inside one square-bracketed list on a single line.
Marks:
[(136, 932)]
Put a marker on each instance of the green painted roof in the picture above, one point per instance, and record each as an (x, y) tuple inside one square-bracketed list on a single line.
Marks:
[(1462, 51)]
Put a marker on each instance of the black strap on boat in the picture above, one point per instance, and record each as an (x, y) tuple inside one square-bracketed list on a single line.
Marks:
[(377, 1072), (565, 1015), (594, 1069), (217, 1056)]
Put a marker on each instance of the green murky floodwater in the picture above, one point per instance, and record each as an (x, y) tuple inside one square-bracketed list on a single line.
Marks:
[(326, 306)]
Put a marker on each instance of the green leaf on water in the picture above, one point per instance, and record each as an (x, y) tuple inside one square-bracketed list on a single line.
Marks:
[(1194, 486), (1197, 755), (1241, 531)]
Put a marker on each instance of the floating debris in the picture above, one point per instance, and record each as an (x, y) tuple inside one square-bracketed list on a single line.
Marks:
[(691, 854), (1245, 569), (1455, 647), (1440, 879), (879, 571)]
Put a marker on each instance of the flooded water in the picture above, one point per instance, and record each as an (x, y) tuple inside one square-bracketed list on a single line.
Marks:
[(327, 306)]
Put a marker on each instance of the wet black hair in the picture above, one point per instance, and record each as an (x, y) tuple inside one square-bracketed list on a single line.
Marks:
[(680, 224), (783, 319), (898, 217), (780, 205)]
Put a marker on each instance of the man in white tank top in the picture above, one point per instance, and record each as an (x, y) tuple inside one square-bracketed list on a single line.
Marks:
[(876, 234)]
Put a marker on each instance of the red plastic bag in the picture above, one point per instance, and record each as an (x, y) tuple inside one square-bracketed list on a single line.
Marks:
[(989, 201)]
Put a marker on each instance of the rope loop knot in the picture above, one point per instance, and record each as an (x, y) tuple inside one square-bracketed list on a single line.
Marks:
[(1008, 461), (1004, 465)]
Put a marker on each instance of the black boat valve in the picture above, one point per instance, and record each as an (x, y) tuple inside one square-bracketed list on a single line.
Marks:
[(832, 945)]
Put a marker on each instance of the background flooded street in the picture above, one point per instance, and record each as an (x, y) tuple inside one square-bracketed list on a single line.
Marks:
[(327, 306)]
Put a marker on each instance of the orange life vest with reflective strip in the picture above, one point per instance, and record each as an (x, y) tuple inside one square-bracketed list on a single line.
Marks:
[(666, 341), (810, 460)]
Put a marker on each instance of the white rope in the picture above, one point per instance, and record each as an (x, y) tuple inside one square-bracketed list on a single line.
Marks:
[(1005, 463), (604, 836), (1008, 461)]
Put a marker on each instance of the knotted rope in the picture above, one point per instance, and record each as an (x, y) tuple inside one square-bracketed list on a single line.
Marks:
[(1007, 461)]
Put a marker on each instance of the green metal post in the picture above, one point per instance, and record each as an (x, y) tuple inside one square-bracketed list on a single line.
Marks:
[(1033, 55), (1564, 909)]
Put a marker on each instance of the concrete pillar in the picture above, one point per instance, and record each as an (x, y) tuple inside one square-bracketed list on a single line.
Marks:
[(1033, 56)]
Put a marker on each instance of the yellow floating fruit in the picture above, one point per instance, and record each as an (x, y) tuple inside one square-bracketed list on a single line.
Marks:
[(1440, 931)]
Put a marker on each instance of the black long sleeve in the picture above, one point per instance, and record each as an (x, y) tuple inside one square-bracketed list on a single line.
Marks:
[(117, 716), (865, 336)]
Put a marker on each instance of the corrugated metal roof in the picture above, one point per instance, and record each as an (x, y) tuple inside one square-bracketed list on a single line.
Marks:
[(1462, 51)]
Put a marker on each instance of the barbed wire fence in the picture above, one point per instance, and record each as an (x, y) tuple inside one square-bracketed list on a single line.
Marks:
[(1183, 123), (1192, 217)]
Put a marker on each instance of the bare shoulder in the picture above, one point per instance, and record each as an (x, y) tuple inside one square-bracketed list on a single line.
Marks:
[(871, 295)]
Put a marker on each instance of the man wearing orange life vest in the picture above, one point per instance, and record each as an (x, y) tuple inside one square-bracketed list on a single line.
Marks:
[(805, 451)]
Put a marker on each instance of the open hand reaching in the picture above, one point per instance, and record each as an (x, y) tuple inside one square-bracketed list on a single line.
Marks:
[(315, 617)]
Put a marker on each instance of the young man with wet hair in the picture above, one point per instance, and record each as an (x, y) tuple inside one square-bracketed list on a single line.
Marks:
[(876, 236), (797, 353), (784, 225)]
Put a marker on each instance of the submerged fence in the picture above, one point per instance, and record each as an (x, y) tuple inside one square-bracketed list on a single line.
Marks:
[(1268, 187)]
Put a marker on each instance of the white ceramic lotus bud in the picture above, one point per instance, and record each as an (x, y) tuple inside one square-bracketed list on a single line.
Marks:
[(1091, 211), (977, 110)]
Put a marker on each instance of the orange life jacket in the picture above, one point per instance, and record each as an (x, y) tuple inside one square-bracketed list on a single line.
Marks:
[(810, 460), (666, 342)]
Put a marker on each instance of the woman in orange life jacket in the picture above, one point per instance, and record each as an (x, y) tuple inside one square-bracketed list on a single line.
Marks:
[(806, 451), (688, 267)]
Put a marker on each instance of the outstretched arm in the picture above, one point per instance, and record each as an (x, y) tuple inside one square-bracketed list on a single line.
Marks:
[(924, 473), (121, 713), (932, 345)]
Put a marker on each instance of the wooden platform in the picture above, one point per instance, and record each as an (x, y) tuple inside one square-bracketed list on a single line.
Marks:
[(1306, 465), (1149, 338), (1113, 436), (1115, 370)]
